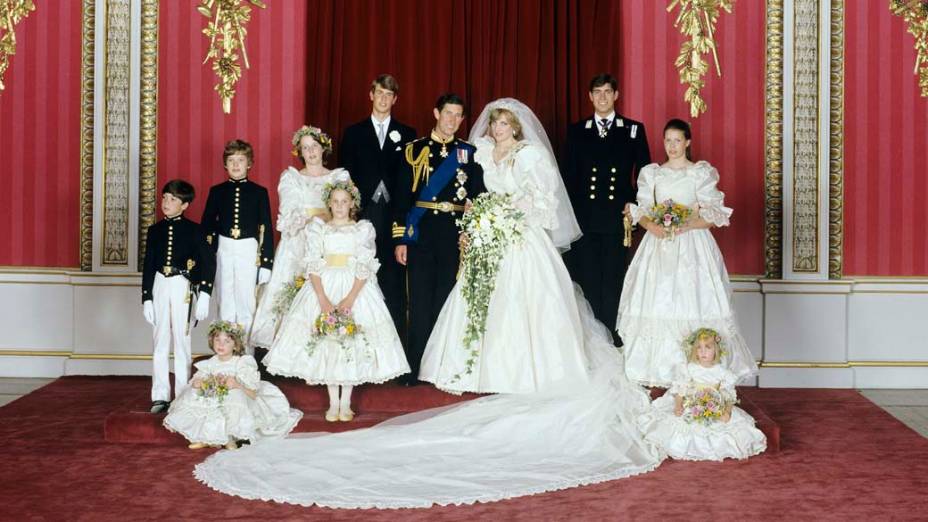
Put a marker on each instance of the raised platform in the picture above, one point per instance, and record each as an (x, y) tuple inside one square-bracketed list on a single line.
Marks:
[(132, 423)]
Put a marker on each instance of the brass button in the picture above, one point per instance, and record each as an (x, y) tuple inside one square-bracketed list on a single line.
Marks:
[(611, 179), (593, 178), (613, 169), (611, 187), (592, 196), (611, 196), (594, 169), (592, 187)]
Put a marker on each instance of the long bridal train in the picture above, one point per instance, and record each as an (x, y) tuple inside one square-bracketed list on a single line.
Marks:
[(488, 449)]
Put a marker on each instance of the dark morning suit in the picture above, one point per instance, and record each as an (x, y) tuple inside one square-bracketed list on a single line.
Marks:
[(430, 193), (369, 165), (599, 174)]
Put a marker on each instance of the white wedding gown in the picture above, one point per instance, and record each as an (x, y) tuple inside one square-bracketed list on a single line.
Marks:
[(533, 337), (576, 430)]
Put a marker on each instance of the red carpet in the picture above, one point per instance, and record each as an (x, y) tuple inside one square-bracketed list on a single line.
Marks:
[(841, 458), (373, 404)]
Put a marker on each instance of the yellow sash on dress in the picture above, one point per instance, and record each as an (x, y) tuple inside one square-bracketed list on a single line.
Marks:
[(337, 260), (313, 212)]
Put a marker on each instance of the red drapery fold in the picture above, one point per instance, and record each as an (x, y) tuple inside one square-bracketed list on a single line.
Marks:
[(542, 52)]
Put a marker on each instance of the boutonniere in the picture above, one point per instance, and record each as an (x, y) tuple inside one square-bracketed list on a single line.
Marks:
[(395, 136)]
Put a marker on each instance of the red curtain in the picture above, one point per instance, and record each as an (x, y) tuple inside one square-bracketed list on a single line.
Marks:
[(542, 52), (40, 140), (885, 148)]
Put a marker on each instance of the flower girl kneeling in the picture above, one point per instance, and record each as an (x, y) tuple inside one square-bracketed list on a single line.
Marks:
[(697, 418), (338, 331), (226, 401)]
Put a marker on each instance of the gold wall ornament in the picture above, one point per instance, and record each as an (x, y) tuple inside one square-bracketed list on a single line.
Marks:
[(915, 13), (226, 33), (11, 13), (697, 19)]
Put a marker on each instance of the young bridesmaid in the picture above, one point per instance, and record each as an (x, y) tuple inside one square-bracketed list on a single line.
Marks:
[(226, 401), (697, 418), (338, 331)]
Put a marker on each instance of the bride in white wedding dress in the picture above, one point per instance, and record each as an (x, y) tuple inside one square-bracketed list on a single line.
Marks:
[(572, 431)]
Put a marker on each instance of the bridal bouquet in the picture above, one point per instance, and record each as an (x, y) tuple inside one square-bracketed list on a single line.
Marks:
[(491, 225), (334, 326), (213, 387), (286, 295), (670, 215), (704, 406)]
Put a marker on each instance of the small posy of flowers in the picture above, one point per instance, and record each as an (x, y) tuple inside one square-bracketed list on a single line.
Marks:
[(670, 215), (336, 326), (213, 387), (491, 225), (704, 405), (287, 294)]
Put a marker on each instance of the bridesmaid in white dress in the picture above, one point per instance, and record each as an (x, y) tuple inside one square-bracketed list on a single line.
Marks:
[(300, 194), (534, 336), (677, 284)]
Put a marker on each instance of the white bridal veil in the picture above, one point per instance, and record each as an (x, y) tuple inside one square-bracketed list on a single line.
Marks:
[(567, 230)]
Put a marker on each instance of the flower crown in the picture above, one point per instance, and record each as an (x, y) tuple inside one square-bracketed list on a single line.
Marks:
[(316, 134), (345, 185), (234, 330), (703, 333)]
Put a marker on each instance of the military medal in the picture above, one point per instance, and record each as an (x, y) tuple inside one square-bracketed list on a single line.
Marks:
[(444, 151), (462, 156), (235, 232)]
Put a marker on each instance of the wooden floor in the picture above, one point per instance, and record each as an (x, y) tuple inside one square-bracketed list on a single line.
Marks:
[(909, 406)]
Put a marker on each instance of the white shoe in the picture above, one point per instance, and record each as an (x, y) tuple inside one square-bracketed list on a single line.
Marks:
[(332, 415), (346, 415)]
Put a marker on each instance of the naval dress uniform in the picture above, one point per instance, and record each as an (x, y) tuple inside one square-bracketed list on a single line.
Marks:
[(372, 151), (178, 265), (237, 221), (435, 180), (603, 155)]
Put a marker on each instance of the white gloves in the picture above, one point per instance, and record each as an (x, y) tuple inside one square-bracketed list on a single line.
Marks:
[(148, 311), (264, 276), (202, 306)]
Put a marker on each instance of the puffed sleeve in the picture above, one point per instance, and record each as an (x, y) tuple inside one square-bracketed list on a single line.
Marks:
[(681, 380), (315, 256), (340, 175), (710, 199), (291, 216), (246, 371), (365, 259), (536, 174), (645, 197), (727, 381), (203, 368)]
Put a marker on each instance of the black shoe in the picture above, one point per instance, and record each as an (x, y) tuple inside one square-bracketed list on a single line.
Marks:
[(159, 406)]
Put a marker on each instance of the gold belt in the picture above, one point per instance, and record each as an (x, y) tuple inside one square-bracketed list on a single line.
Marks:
[(441, 206), (313, 212), (337, 259)]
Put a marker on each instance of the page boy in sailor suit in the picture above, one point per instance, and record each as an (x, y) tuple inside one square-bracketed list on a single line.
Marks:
[(178, 264), (434, 182), (237, 220)]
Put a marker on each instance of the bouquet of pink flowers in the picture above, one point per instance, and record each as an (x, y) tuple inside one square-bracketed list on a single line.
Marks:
[(213, 387), (704, 406), (670, 215)]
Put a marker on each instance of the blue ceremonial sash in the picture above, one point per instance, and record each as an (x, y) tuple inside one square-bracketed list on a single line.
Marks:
[(437, 181)]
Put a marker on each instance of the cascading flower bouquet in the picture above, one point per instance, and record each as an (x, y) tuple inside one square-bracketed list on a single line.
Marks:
[(491, 225), (287, 294), (213, 387), (670, 215), (335, 326)]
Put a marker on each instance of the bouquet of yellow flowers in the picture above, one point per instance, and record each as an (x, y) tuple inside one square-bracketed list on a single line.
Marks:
[(213, 387), (286, 295), (670, 215), (704, 406)]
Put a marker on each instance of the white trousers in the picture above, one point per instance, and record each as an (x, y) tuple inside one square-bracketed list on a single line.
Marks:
[(169, 296), (236, 278)]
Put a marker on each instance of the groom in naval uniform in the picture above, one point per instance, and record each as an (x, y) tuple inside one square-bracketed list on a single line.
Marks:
[(604, 152), (436, 178), (372, 151)]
